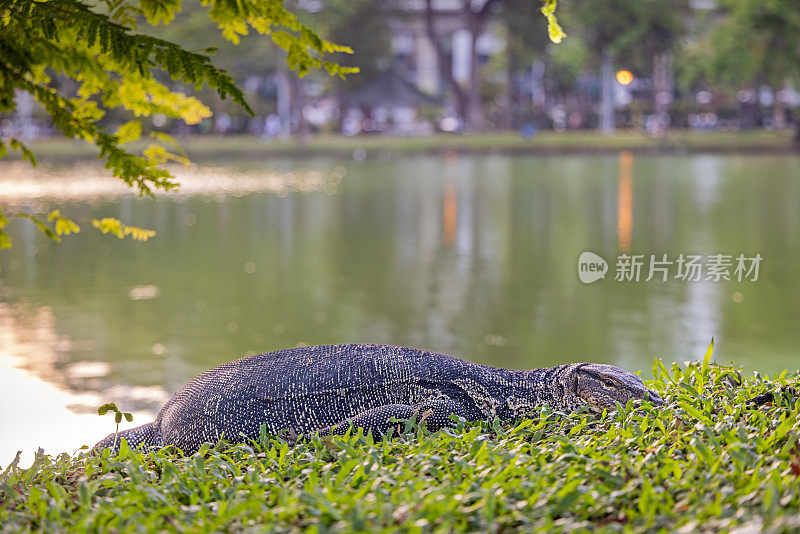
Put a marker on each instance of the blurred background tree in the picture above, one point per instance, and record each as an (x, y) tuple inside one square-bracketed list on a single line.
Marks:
[(489, 65), (755, 45)]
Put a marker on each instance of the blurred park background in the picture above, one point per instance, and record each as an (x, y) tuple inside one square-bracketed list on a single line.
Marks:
[(440, 198), (467, 66)]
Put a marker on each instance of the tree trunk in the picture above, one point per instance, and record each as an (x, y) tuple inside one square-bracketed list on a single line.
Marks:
[(474, 104), (300, 126), (662, 91), (778, 112), (748, 114), (511, 93), (445, 67), (606, 93), (284, 103)]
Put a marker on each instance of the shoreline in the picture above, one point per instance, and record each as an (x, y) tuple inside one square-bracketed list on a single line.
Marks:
[(679, 142)]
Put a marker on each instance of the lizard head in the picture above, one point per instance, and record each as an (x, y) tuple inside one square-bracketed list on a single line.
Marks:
[(603, 386)]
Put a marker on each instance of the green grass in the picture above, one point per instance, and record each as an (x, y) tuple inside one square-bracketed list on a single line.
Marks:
[(547, 142), (707, 462)]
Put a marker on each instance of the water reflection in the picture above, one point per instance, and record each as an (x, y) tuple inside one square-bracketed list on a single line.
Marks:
[(468, 256), (625, 202), (22, 184), (449, 213), (49, 400)]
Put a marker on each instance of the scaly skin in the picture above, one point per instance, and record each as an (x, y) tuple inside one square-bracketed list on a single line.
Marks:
[(327, 389)]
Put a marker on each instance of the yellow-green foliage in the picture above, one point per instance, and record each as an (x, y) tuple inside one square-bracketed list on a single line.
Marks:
[(109, 225), (554, 30), (63, 226), (96, 45), (708, 461)]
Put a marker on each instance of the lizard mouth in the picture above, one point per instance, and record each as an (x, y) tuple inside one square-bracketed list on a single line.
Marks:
[(599, 397), (654, 398)]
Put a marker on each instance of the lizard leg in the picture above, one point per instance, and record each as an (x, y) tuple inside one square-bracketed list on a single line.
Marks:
[(435, 414), (377, 420)]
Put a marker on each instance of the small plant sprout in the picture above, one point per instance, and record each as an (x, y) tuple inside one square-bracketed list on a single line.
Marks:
[(118, 415)]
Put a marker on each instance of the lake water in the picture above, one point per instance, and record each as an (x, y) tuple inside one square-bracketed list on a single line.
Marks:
[(471, 256)]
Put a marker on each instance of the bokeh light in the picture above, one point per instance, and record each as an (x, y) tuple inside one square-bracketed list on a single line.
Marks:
[(624, 77)]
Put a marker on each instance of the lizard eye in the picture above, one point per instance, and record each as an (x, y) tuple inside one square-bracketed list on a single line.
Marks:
[(610, 382)]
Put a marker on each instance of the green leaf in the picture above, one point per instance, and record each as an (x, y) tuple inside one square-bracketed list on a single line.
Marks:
[(41, 226), (139, 234), (109, 225), (554, 30), (66, 226), (707, 357), (25, 151), (105, 408), (63, 225), (5, 241), (83, 493), (128, 416), (130, 131), (697, 414), (158, 11)]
